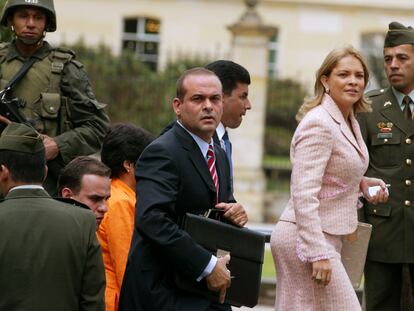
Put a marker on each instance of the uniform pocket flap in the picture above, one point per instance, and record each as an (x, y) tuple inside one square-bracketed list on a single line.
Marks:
[(50, 103), (381, 139), (383, 210)]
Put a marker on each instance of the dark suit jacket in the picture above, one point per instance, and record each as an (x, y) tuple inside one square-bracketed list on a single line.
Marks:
[(172, 179), (390, 141), (50, 257)]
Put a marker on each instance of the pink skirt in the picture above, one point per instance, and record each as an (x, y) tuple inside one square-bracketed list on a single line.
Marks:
[(295, 290)]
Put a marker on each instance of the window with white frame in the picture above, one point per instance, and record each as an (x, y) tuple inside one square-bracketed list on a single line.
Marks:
[(273, 57), (142, 36)]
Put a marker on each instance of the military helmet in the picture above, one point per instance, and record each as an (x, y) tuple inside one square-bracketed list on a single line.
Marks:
[(46, 5)]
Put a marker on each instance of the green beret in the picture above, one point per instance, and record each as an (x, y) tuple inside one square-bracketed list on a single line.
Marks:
[(398, 34), (21, 137)]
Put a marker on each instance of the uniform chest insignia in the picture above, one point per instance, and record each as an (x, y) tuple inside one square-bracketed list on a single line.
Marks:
[(385, 127), (381, 125), (387, 103)]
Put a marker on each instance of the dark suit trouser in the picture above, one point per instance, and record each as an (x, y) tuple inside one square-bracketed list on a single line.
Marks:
[(383, 283)]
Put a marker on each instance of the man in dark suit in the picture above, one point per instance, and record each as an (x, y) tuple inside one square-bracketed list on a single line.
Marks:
[(50, 257), (235, 80), (389, 134), (173, 179)]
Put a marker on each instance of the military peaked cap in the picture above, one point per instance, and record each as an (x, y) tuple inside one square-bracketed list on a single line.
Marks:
[(398, 34), (22, 138)]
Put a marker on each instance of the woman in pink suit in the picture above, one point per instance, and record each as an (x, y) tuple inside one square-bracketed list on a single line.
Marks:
[(329, 159)]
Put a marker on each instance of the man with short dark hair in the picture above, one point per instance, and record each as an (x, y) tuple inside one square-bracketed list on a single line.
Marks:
[(388, 132), (235, 80), (87, 180), (50, 257), (180, 172)]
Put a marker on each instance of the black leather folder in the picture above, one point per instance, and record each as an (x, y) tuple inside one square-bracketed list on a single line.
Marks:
[(246, 248)]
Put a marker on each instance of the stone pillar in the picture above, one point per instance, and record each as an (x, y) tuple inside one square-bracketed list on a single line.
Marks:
[(250, 49)]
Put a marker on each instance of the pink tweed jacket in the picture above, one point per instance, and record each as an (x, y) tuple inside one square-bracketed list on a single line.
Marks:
[(328, 163)]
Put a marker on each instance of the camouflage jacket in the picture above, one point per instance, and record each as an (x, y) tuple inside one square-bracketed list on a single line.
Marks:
[(59, 100)]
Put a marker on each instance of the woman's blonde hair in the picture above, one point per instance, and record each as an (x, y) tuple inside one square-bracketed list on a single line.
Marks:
[(326, 68)]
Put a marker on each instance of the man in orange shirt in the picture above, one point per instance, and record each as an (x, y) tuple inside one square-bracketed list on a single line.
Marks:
[(121, 148)]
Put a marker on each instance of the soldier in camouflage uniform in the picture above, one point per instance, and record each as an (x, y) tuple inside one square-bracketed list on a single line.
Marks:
[(389, 134), (59, 101)]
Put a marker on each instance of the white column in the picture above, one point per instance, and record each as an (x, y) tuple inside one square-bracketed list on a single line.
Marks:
[(250, 49)]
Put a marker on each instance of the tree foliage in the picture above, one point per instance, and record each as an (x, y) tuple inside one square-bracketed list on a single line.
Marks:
[(5, 33), (138, 95), (284, 98), (132, 92), (372, 48)]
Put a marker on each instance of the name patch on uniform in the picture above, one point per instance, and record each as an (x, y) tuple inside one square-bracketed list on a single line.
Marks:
[(384, 135)]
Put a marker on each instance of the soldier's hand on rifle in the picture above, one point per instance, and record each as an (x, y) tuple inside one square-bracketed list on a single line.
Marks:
[(4, 120), (51, 147)]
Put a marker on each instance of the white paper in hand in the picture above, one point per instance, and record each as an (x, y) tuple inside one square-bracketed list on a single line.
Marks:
[(374, 189)]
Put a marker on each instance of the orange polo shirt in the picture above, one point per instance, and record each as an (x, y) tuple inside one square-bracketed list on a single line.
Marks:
[(115, 234)]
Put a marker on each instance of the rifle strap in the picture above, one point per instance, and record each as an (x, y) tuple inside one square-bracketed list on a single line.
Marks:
[(22, 71)]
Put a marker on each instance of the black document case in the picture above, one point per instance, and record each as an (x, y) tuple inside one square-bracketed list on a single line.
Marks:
[(246, 248)]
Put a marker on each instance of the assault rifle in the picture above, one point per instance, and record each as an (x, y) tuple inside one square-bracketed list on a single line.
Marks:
[(9, 108)]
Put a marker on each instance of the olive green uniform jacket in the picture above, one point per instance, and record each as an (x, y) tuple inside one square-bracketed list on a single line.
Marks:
[(50, 257), (390, 141), (59, 102)]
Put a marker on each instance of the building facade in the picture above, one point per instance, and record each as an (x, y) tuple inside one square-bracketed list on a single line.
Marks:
[(161, 30)]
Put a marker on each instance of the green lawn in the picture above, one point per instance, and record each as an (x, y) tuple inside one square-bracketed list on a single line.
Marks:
[(268, 265), (278, 162)]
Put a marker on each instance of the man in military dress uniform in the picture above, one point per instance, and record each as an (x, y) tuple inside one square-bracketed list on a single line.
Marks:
[(389, 134), (58, 99), (50, 257)]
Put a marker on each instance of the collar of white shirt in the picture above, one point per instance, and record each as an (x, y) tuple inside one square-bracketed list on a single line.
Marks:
[(221, 130), (202, 144)]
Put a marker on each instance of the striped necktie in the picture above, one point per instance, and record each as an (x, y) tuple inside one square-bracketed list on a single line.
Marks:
[(407, 109), (211, 162)]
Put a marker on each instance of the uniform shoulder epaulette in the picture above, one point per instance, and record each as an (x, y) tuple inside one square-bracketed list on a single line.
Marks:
[(65, 50), (4, 49), (374, 93), (60, 56), (68, 55), (77, 63), (4, 45)]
